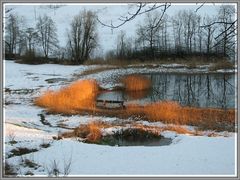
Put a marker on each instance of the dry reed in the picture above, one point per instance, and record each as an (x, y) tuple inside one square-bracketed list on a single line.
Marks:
[(78, 95), (205, 118), (136, 83), (91, 132)]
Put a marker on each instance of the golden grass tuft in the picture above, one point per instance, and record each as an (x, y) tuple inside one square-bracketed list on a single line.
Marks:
[(165, 111), (91, 131), (78, 95), (136, 83)]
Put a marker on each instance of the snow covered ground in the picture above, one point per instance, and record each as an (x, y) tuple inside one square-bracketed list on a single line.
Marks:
[(186, 155)]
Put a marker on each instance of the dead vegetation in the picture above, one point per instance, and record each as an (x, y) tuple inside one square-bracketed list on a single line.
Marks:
[(9, 170), (21, 151), (29, 163), (191, 61), (97, 70), (175, 128), (171, 112), (90, 132), (80, 98), (93, 132), (78, 95), (54, 170), (223, 64), (136, 82)]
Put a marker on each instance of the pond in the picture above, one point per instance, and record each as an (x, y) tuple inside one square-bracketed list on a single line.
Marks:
[(135, 137), (215, 90)]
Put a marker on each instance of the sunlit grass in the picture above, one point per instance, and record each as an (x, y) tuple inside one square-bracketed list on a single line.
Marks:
[(136, 83), (78, 95), (91, 131), (171, 112)]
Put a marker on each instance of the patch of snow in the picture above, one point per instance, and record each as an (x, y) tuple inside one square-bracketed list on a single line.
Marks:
[(226, 70), (190, 156), (187, 155), (23, 76)]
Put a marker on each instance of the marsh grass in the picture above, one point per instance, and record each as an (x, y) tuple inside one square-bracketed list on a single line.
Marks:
[(136, 82), (223, 64), (171, 112), (78, 95), (90, 132), (80, 98)]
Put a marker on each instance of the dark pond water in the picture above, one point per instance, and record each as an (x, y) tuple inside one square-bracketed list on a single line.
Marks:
[(199, 90), (135, 137)]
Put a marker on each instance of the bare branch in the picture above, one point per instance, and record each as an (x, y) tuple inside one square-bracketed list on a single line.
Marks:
[(218, 22), (200, 7), (139, 11), (227, 29), (8, 10), (160, 19)]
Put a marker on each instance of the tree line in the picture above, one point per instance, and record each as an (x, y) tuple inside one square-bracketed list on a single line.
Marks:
[(183, 34), (40, 44)]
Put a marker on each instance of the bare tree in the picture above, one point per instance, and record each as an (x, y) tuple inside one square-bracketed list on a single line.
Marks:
[(227, 27), (163, 35), (47, 34), (31, 37), (177, 25), (187, 35), (124, 46), (12, 34), (225, 33), (208, 33), (82, 39), (121, 45), (148, 32)]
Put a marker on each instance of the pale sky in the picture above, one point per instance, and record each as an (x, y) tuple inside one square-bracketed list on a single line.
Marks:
[(106, 12)]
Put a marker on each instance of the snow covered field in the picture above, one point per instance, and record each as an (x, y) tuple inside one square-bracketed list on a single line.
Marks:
[(186, 155)]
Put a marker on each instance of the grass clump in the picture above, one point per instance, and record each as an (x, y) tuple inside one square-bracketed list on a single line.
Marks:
[(166, 111), (90, 132), (29, 163), (78, 95), (21, 151), (136, 83), (9, 170)]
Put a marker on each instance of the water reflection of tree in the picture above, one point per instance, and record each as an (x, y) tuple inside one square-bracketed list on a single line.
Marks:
[(205, 90)]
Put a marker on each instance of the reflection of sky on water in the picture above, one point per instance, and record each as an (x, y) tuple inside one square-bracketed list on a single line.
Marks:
[(200, 90)]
